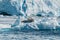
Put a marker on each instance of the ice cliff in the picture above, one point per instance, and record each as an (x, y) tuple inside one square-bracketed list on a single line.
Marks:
[(44, 13)]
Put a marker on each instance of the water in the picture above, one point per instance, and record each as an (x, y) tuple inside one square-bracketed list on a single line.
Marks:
[(28, 36)]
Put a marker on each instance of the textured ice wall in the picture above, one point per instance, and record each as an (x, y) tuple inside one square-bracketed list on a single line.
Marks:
[(45, 13), (48, 10)]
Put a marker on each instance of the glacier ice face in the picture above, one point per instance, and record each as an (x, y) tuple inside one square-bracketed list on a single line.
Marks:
[(45, 13)]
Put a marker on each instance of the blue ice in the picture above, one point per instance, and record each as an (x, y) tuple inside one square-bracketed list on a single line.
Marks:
[(28, 10), (29, 17)]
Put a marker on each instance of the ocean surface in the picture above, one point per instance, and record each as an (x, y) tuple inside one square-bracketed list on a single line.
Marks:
[(36, 35)]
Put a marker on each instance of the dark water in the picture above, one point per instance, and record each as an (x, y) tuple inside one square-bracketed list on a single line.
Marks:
[(29, 35)]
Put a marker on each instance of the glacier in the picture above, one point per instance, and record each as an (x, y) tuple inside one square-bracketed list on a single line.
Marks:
[(43, 12), (29, 19), (32, 14)]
